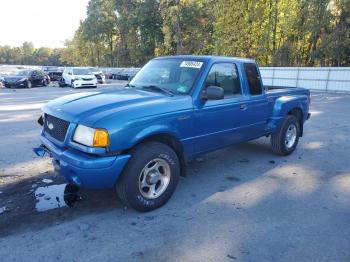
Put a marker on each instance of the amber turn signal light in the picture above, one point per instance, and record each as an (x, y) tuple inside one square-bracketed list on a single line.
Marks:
[(101, 138)]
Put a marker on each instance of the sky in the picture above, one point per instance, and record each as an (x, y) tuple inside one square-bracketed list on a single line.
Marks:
[(43, 22)]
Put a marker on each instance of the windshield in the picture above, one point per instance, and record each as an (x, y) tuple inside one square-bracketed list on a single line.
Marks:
[(81, 71), (23, 73), (94, 70), (174, 75)]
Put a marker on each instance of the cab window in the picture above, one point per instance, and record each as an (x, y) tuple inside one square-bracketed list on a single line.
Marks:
[(225, 75), (253, 77)]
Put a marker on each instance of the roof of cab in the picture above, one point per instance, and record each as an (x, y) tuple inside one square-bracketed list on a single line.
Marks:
[(209, 58)]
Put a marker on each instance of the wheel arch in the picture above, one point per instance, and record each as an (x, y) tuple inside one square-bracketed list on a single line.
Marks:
[(170, 140), (298, 113)]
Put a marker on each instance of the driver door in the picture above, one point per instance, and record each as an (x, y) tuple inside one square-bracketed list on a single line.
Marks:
[(217, 122)]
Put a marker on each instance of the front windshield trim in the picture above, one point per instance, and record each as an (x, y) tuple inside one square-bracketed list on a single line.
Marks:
[(180, 60)]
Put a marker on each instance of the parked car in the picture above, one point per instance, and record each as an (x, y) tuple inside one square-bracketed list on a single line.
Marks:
[(78, 77), (98, 74), (54, 72), (138, 139), (132, 73), (117, 75), (26, 78)]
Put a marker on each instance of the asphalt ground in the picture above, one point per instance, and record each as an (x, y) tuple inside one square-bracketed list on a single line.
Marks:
[(242, 203)]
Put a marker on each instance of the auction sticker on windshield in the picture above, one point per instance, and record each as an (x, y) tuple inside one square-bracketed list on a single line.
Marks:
[(191, 64)]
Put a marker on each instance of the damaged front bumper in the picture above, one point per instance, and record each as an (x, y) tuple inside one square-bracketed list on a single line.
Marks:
[(81, 169)]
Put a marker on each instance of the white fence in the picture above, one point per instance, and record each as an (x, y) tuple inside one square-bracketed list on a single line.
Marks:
[(317, 78)]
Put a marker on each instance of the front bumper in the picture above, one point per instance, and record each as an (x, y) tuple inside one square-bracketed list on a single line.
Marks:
[(84, 83), (85, 170), (14, 84)]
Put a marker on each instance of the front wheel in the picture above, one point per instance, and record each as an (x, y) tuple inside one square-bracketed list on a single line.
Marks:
[(286, 139), (150, 177)]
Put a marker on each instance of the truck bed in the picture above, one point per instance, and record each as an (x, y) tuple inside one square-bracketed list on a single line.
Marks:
[(284, 90)]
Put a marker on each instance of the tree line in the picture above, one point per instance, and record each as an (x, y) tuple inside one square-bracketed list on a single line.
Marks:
[(274, 32), (27, 54)]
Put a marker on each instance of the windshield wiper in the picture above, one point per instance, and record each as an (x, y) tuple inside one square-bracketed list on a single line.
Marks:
[(158, 88)]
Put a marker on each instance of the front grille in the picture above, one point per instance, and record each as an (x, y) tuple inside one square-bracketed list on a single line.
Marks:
[(87, 79), (55, 127)]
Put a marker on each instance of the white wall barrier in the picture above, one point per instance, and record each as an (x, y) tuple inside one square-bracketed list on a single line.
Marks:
[(317, 78)]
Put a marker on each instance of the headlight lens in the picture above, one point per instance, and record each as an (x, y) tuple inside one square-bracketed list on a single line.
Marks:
[(22, 79), (91, 137)]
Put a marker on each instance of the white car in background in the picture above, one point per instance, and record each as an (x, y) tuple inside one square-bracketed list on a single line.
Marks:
[(78, 77)]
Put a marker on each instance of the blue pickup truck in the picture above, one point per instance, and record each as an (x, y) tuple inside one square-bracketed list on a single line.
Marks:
[(137, 139)]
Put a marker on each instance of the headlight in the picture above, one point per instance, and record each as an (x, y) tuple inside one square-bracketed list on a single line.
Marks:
[(22, 79), (91, 137), (77, 78)]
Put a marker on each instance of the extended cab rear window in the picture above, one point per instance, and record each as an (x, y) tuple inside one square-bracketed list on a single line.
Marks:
[(253, 77)]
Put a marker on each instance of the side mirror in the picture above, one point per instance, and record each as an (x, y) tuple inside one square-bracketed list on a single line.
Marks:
[(69, 73), (213, 93)]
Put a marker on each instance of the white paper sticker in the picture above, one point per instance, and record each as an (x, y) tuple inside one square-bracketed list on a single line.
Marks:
[(191, 64)]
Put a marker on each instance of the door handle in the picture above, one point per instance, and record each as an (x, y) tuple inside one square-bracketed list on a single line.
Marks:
[(243, 107)]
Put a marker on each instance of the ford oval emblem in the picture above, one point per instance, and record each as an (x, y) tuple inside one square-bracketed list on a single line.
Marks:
[(50, 126)]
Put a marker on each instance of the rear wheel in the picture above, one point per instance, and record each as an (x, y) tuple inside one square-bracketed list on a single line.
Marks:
[(286, 139), (150, 177)]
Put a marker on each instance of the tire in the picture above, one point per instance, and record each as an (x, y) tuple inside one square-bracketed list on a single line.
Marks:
[(44, 83), (71, 84), (138, 175), (29, 84), (286, 139)]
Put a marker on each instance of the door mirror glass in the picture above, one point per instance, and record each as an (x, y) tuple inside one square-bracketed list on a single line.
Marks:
[(213, 93)]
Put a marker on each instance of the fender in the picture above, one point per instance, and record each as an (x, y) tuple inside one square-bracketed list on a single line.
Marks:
[(152, 131), (282, 106)]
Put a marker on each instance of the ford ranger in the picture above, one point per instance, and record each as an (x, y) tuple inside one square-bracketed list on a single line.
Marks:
[(137, 139)]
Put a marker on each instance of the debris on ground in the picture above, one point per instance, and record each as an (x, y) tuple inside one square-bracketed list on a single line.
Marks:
[(84, 227), (2, 209), (230, 256), (47, 181)]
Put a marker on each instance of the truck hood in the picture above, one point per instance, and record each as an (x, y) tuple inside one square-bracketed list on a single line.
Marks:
[(88, 108)]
